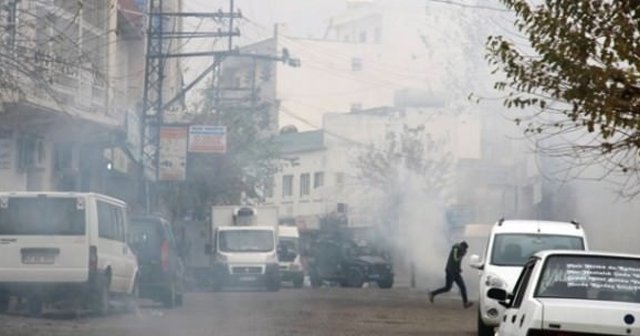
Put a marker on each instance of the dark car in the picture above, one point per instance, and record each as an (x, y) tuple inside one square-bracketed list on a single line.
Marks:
[(348, 264), (161, 268)]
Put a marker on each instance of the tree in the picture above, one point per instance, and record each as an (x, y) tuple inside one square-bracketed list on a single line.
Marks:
[(239, 176), (43, 45), (580, 75)]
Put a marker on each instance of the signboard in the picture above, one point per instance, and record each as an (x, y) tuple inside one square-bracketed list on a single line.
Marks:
[(208, 139), (6, 139), (172, 161)]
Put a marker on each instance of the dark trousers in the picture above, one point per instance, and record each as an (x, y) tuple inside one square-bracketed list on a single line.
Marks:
[(451, 278)]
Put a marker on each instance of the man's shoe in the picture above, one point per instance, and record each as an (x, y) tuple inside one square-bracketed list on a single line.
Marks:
[(431, 296), (467, 304)]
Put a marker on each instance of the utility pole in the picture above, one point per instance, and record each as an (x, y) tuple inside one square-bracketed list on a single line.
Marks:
[(153, 104)]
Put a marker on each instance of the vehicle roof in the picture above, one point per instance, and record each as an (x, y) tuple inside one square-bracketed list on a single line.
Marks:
[(60, 194), (148, 218), (548, 253), (245, 228), (538, 226), (288, 231)]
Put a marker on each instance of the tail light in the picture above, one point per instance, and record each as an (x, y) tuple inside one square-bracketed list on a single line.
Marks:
[(164, 255), (93, 258)]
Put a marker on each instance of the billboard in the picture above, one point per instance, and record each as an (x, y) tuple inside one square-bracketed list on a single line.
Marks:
[(172, 160), (207, 139)]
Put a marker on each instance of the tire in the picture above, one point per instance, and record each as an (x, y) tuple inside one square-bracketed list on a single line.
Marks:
[(132, 299), (355, 279), (298, 282), (386, 283), (273, 284), (483, 329), (315, 279), (4, 301), (180, 300), (169, 296), (101, 300), (35, 306)]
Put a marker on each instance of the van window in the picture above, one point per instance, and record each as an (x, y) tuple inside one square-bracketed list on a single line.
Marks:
[(42, 216), (515, 249), (110, 222)]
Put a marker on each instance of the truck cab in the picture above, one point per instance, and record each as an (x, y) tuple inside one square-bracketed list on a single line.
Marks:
[(243, 248)]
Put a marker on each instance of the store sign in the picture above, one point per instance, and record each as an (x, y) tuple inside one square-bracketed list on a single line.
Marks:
[(208, 139), (172, 163)]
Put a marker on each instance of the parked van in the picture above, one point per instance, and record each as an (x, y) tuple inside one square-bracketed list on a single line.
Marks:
[(64, 247), (510, 245), (289, 256)]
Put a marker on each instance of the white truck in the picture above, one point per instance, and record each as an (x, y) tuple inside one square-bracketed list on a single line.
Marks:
[(243, 247)]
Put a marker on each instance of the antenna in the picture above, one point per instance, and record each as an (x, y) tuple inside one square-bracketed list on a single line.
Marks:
[(500, 221)]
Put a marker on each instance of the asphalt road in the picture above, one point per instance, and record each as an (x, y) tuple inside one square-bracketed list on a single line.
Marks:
[(326, 311)]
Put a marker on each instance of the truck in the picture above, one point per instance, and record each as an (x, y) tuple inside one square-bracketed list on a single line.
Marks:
[(289, 255), (243, 247)]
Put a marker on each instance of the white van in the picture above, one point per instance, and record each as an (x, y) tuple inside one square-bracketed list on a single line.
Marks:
[(64, 247), (289, 256), (510, 245)]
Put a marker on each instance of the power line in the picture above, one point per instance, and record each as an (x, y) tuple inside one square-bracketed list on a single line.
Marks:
[(463, 5)]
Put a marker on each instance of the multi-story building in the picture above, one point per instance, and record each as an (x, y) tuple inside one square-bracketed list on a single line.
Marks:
[(65, 128)]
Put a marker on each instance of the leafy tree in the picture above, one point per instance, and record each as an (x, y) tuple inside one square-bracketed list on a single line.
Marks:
[(241, 175), (579, 75)]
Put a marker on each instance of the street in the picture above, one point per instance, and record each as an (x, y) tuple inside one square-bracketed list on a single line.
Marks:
[(327, 311)]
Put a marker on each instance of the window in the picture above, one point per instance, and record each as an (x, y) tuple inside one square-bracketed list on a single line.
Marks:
[(363, 37), (515, 249), (356, 64), (305, 184), (110, 222), (521, 285), (339, 179), (42, 216), (287, 185), (318, 180)]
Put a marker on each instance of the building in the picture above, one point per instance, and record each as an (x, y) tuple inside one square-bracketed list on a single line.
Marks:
[(72, 125)]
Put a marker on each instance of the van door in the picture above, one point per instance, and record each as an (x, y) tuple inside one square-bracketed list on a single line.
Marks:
[(112, 249), (43, 239)]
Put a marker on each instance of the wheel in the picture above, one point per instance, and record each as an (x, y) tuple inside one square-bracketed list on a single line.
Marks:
[(101, 301), (169, 297), (298, 282), (273, 284), (315, 279), (180, 300), (132, 299), (355, 278), (386, 283), (4, 301), (483, 329), (35, 306)]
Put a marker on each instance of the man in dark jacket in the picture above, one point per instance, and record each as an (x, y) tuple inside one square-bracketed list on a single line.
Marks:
[(453, 271)]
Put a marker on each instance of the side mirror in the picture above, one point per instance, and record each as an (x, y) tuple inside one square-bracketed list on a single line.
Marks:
[(476, 262), (208, 249), (498, 294)]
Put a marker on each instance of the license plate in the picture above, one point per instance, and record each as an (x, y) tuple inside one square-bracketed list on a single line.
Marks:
[(38, 259), (248, 278)]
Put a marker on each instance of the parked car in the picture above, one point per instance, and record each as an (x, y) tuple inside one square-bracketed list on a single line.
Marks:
[(510, 245), (65, 247), (573, 293), (289, 256), (161, 266)]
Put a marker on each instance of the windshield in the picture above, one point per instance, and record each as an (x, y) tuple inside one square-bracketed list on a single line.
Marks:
[(246, 241), (42, 216), (590, 278), (515, 249), (290, 243)]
